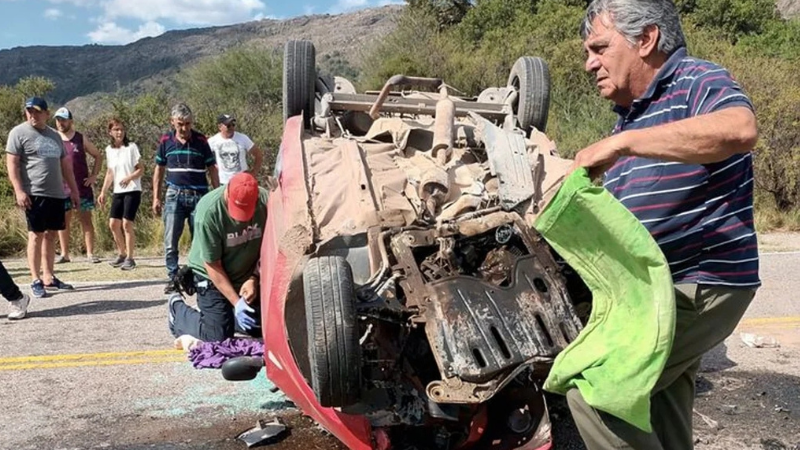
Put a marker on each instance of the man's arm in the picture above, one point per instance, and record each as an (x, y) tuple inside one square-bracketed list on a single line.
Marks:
[(158, 178), (217, 275), (211, 164), (69, 176), (258, 159), (703, 139), (98, 161), (13, 163), (213, 175)]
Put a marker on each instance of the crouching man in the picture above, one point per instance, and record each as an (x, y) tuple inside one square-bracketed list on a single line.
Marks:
[(229, 224)]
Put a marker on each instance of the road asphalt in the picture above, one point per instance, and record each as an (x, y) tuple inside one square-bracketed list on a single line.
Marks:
[(95, 368)]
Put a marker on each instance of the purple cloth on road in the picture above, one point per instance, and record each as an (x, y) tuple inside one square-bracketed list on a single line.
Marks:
[(211, 355)]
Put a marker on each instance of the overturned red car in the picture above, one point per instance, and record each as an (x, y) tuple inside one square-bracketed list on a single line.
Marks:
[(406, 300)]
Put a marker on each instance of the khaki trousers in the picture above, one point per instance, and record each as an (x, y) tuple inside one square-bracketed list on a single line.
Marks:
[(705, 316)]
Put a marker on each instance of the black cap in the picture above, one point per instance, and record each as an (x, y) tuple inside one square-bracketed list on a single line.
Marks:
[(226, 119), (36, 103)]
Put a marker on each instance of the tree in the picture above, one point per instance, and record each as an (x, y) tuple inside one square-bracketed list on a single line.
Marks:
[(12, 99), (246, 82), (446, 12)]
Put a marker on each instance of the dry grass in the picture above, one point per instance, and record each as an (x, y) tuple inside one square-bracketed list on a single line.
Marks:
[(80, 270), (770, 220), (149, 234)]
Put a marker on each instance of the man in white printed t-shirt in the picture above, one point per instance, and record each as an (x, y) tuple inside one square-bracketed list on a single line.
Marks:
[(231, 148)]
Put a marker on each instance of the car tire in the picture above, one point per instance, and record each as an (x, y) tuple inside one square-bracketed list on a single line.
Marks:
[(299, 80), (334, 353), (530, 76)]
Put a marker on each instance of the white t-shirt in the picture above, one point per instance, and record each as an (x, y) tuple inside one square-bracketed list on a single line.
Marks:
[(231, 154), (122, 161)]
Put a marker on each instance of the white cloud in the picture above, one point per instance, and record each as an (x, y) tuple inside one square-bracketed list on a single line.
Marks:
[(52, 13), (82, 3), (183, 12), (111, 33), (347, 5), (390, 2)]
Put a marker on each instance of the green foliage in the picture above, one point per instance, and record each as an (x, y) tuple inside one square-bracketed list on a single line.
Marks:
[(445, 12), (780, 39), (477, 51), (733, 18), (246, 82), (12, 100), (336, 64), (472, 56), (489, 15), (471, 45)]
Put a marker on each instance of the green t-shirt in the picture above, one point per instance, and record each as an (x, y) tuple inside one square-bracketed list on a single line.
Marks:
[(217, 237)]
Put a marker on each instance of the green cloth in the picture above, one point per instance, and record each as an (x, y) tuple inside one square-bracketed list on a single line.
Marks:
[(620, 354), (217, 237)]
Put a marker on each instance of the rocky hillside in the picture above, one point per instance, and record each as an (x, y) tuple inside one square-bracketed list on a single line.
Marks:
[(789, 8), (82, 70)]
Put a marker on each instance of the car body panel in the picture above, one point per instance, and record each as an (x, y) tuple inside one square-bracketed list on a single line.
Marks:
[(288, 220)]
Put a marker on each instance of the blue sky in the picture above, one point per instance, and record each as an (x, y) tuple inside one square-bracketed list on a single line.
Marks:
[(79, 22)]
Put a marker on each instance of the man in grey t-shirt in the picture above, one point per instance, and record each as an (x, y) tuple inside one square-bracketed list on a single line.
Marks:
[(37, 167)]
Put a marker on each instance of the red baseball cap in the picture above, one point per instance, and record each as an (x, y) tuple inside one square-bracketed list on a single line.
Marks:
[(242, 196)]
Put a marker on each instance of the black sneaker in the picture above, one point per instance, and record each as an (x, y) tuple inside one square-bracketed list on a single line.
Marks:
[(129, 264), (58, 284), (118, 262)]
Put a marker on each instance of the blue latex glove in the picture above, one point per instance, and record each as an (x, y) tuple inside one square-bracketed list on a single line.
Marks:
[(240, 312)]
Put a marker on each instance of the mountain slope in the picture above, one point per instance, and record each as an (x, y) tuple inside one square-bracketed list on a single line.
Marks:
[(82, 70)]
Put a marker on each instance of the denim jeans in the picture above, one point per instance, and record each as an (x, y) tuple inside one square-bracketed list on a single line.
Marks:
[(179, 206), (213, 320), (8, 288)]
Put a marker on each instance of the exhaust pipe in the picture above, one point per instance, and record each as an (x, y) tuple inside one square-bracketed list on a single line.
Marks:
[(444, 122)]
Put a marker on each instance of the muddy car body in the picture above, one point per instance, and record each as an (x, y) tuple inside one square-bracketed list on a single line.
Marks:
[(405, 296)]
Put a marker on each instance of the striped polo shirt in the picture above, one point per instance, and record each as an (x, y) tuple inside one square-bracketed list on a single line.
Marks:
[(186, 163), (700, 215)]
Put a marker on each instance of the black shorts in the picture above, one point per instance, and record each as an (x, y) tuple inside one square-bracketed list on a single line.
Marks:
[(125, 205), (45, 214)]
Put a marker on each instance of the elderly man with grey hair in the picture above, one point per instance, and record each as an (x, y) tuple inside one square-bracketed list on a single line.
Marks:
[(680, 160), (189, 163)]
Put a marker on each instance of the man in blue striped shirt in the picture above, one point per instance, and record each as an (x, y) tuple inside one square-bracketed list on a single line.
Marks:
[(680, 160), (185, 156)]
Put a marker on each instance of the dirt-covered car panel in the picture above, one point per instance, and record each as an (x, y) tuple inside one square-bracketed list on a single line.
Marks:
[(420, 302)]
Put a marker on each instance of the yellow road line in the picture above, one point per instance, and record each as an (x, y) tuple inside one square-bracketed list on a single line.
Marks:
[(108, 362), (91, 359), (767, 321), (90, 356)]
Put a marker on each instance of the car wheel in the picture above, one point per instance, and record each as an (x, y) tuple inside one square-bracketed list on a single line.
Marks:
[(333, 350), (299, 79), (530, 77)]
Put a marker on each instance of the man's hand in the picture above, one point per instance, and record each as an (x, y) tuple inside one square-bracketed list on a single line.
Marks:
[(23, 201), (124, 182), (240, 312), (101, 199), (156, 206), (249, 290), (272, 183), (90, 181), (76, 201), (599, 156)]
